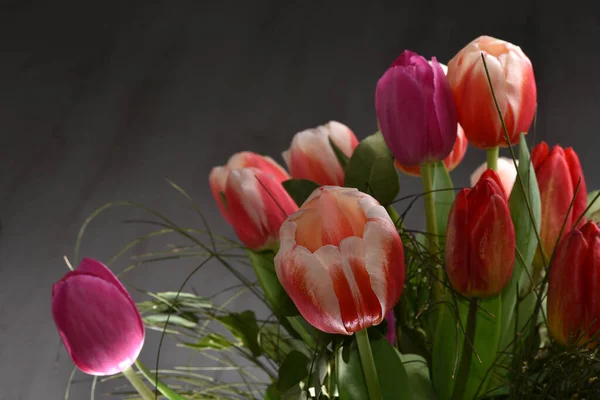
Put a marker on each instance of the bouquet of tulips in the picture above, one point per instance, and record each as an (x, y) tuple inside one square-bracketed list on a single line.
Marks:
[(499, 297)]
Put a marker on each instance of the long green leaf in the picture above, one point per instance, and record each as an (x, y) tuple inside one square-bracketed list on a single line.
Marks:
[(418, 377), (243, 326), (299, 189), (443, 196)]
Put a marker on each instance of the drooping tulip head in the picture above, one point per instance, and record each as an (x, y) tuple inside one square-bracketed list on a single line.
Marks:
[(573, 287), (311, 155), (558, 173), (341, 260), (506, 171), (416, 110), (513, 81), (480, 239), (97, 320)]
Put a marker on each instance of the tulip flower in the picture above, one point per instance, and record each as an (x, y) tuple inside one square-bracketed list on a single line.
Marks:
[(97, 320), (245, 159), (416, 111), (451, 162), (558, 172), (341, 260), (255, 203), (573, 287), (513, 81), (506, 171), (311, 156), (480, 239)]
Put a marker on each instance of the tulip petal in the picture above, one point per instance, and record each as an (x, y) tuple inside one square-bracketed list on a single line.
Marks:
[(217, 180), (580, 203), (100, 327), (445, 113), (457, 244), (591, 280)]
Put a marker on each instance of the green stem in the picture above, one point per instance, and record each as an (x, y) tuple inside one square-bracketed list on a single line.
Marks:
[(162, 388), (368, 365), (138, 384), (394, 216), (467, 352), (492, 158), (432, 228)]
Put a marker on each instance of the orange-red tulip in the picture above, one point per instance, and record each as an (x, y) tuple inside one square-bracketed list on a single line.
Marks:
[(574, 287), (480, 239), (341, 260), (513, 81)]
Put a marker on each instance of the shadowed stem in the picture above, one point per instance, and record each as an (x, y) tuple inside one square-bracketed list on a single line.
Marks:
[(492, 158), (432, 229), (368, 365), (138, 384), (467, 352)]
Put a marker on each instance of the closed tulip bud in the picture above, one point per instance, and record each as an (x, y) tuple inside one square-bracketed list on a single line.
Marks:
[(245, 159), (341, 260), (451, 162), (416, 111), (480, 239), (255, 203), (513, 81), (506, 171), (573, 287), (558, 172), (311, 156), (97, 320)]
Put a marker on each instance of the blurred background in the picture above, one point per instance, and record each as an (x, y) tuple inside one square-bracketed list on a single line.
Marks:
[(103, 100)]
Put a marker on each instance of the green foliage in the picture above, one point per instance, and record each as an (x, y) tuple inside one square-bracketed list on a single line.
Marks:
[(341, 156), (371, 170), (443, 196), (244, 327), (299, 189)]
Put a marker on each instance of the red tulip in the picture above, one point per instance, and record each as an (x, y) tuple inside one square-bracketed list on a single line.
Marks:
[(416, 111), (245, 159), (97, 320), (311, 156), (451, 162), (558, 171), (341, 260), (256, 204), (480, 239), (513, 81), (573, 287)]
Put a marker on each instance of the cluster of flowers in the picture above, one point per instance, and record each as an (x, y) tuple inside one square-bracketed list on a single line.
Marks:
[(339, 255)]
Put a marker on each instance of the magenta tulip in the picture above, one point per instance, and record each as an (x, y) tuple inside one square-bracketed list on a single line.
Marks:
[(416, 110), (97, 320)]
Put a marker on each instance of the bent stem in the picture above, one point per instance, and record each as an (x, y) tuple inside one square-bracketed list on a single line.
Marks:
[(368, 365), (432, 229), (467, 352), (138, 384), (492, 158), (162, 388)]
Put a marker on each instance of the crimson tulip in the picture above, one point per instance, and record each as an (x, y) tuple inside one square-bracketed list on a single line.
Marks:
[(311, 156), (558, 172), (97, 320), (341, 260), (480, 239), (573, 286), (416, 110), (513, 81), (451, 162)]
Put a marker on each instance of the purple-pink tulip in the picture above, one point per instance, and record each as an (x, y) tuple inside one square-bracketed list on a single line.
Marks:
[(416, 110), (97, 320)]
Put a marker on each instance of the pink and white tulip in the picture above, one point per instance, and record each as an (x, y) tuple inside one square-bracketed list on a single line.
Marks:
[(506, 171), (253, 200), (97, 320), (341, 260), (311, 156)]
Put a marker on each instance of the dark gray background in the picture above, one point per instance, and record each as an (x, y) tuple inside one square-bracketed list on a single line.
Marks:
[(100, 102)]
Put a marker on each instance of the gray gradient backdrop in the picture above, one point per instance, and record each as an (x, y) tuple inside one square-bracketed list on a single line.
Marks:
[(101, 102)]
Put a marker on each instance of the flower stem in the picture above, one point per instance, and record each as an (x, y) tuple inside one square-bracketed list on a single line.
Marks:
[(368, 365), (162, 388), (467, 352), (432, 228), (492, 158), (138, 384)]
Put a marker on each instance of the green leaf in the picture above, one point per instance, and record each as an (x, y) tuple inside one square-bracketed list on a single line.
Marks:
[(173, 320), (418, 377), (341, 156), (272, 393), (443, 196), (526, 243), (264, 269), (306, 331), (294, 369), (211, 341), (390, 370), (593, 212), (274, 343), (371, 170), (244, 327), (182, 299), (299, 189)]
